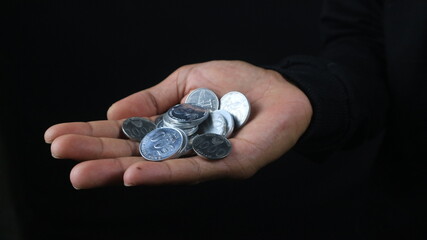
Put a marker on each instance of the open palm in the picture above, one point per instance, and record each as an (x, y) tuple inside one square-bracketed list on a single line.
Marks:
[(280, 113)]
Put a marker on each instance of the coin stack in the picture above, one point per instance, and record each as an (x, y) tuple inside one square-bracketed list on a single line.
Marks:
[(200, 125)]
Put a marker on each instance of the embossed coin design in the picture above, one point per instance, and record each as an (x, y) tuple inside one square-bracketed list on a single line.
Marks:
[(135, 128), (237, 105), (162, 143), (211, 146), (203, 97)]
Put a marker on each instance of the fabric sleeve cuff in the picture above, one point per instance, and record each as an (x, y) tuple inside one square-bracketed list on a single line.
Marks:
[(329, 99)]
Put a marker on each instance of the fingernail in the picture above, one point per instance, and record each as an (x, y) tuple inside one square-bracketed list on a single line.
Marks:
[(110, 111), (128, 184)]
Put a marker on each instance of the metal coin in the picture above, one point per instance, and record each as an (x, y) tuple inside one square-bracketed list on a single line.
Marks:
[(187, 130), (135, 128), (230, 122), (159, 123), (215, 123), (190, 131), (162, 143), (186, 115), (237, 105), (211, 146), (184, 144), (203, 97), (188, 150), (158, 119)]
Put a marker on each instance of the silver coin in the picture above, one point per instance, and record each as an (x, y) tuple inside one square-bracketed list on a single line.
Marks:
[(230, 122), (186, 115), (162, 143), (135, 128), (190, 131), (188, 150), (184, 144), (211, 146), (159, 122), (215, 123), (158, 119), (187, 130), (237, 105), (203, 97)]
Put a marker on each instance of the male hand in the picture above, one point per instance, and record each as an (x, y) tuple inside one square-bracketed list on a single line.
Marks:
[(280, 113)]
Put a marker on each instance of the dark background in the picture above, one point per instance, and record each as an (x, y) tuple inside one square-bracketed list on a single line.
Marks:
[(68, 61)]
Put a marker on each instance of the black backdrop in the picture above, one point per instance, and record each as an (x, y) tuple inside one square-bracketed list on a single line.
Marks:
[(69, 60)]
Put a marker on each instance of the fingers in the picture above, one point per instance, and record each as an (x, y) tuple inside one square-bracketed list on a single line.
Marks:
[(98, 173), (193, 170), (80, 147), (133, 171), (103, 128), (176, 171)]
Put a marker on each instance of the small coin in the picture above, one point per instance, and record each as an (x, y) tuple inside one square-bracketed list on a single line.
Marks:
[(230, 122), (211, 146), (215, 123), (162, 143), (186, 115), (190, 131), (183, 145), (203, 97), (237, 105), (188, 150), (160, 123), (158, 119), (187, 130), (135, 128)]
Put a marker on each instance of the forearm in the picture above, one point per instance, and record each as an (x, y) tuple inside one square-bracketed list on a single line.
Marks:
[(345, 84)]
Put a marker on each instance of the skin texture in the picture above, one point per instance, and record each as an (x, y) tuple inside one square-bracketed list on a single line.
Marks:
[(280, 113)]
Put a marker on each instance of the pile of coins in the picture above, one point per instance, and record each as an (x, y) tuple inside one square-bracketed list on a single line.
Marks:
[(200, 125)]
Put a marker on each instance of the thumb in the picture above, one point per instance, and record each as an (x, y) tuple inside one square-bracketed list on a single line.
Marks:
[(152, 101)]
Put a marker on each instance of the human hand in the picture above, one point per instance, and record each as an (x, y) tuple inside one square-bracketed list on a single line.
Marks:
[(280, 113)]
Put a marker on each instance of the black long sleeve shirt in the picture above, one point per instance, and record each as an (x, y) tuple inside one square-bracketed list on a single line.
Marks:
[(370, 81)]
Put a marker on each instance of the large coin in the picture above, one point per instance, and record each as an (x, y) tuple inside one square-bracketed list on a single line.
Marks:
[(211, 146), (162, 143), (135, 128), (203, 97), (237, 105)]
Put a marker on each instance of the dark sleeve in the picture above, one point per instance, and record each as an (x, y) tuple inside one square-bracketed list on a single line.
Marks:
[(345, 83)]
